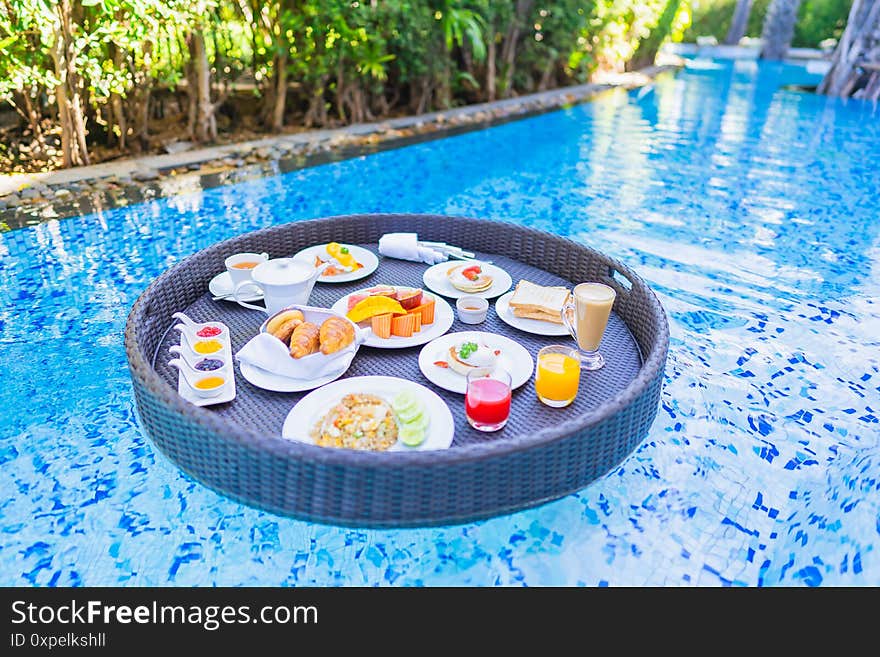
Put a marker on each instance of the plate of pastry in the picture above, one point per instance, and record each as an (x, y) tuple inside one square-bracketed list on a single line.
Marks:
[(446, 361), (534, 308), (396, 316), (300, 348), (372, 413), (354, 262), (469, 278)]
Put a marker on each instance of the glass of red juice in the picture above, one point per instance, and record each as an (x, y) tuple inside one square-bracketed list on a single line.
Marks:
[(487, 400)]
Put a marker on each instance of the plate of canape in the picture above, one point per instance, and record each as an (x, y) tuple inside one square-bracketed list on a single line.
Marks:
[(446, 361)]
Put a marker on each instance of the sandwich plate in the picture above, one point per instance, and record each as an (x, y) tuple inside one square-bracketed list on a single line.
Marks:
[(437, 280), (513, 357), (535, 326)]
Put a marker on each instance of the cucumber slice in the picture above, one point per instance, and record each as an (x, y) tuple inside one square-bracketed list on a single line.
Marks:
[(412, 436), (421, 422), (404, 401), (410, 415)]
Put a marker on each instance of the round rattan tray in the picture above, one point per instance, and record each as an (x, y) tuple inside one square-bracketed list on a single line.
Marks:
[(542, 454)]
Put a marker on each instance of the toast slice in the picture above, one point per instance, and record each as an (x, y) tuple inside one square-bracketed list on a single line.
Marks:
[(541, 302)]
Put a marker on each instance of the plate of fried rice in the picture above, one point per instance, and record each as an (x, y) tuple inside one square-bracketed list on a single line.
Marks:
[(358, 413)]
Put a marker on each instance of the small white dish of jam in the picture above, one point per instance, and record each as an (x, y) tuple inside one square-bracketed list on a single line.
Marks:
[(204, 362)]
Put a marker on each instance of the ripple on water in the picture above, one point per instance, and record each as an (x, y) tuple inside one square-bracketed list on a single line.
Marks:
[(748, 208)]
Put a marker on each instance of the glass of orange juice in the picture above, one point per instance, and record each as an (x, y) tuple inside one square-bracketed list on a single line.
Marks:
[(558, 375)]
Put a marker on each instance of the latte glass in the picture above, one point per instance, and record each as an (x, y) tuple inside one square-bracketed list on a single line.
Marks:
[(586, 317)]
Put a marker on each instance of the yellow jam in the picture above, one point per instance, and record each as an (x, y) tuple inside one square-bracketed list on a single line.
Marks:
[(210, 382), (207, 346)]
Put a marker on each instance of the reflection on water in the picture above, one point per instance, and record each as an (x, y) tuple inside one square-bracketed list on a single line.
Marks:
[(750, 209)]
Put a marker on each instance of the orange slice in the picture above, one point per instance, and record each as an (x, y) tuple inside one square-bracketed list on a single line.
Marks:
[(375, 305)]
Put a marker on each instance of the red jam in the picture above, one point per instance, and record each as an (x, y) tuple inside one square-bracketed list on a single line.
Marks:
[(209, 331)]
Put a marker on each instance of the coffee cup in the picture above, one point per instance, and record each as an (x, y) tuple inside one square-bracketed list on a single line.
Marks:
[(241, 265)]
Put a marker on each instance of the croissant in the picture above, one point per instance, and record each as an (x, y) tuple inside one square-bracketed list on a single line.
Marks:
[(287, 329), (335, 334), (304, 340), (282, 325)]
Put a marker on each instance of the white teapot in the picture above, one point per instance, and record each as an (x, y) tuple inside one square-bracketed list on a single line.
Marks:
[(284, 282)]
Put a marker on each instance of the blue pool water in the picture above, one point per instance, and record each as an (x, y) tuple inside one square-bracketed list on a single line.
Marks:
[(750, 209)]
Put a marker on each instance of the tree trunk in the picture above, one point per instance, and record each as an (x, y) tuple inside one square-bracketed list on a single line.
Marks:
[(855, 68), (280, 64), (31, 113), (647, 50), (203, 124), (508, 49), (739, 23), (68, 91), (778, 28), (139, 107), (547, 74), (490, 64), (116, 101), (444, 83)]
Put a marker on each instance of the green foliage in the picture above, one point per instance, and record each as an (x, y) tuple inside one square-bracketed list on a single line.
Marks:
[(345, 59), (817, 20)]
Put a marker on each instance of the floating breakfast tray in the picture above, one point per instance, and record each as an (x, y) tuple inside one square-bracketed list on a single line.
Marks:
[(541, 454)]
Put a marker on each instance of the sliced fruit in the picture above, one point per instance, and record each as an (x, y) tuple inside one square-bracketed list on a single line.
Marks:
[(403, 325), (374, 305), (472, 273), (426, 309), (409, 298), (342, 254), (381, 325), (376, 291), (417, 317)]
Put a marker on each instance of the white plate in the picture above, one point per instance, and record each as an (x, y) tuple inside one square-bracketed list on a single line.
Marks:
[(536, 326), (221, 285), (514, 358), (277, 383), (367, 258), (311, 408), (435, 280), (443, 318)]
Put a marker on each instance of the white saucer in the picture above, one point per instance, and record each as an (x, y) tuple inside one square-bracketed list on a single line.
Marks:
[(277, 383), (221, 286), (514, 358)]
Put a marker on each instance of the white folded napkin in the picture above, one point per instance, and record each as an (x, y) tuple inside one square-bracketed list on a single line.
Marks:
[(270, 354), (405, 246)]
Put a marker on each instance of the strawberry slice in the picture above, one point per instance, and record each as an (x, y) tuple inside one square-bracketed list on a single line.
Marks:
[(471, 273)]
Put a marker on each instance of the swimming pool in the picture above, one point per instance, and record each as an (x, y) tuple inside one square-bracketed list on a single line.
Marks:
[(750, 209)]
